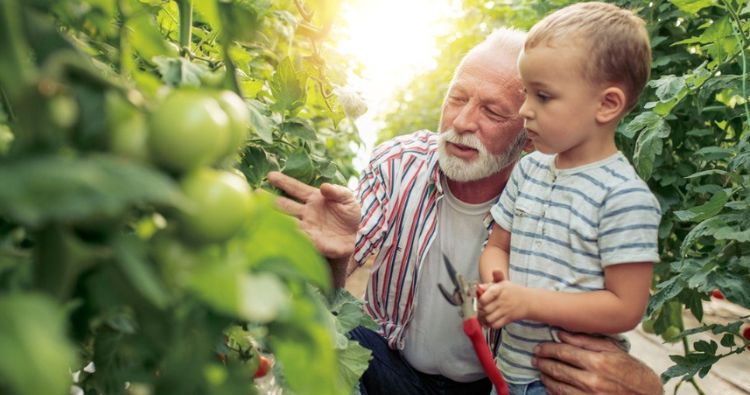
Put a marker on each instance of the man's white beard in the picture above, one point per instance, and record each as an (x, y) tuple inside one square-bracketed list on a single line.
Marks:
[(484, 165)]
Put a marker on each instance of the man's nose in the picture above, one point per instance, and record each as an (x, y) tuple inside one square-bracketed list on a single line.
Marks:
[(466, 120)]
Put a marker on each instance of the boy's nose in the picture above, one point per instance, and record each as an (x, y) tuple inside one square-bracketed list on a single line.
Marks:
[(525, 111)]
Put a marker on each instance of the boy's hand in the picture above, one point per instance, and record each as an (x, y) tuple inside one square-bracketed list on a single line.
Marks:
[(502, 302)]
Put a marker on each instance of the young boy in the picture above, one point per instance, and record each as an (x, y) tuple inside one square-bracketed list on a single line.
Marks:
[(575, 229)]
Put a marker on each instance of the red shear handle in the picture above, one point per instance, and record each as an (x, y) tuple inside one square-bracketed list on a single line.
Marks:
[(475, 334)]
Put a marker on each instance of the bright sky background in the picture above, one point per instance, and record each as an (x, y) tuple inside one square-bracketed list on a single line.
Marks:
[(394, 40)]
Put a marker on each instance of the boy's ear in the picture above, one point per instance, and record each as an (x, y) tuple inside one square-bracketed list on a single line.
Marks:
[(612, 104)]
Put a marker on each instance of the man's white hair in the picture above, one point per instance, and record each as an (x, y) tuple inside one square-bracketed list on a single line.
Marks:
[(502, 39)]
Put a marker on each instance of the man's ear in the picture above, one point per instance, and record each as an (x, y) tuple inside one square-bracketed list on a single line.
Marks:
[(612, 104)]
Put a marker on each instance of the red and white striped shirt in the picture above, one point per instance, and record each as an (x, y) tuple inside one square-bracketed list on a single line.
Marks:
[(399, 193)]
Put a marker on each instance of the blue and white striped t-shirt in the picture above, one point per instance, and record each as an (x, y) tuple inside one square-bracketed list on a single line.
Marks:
[(567, 225)]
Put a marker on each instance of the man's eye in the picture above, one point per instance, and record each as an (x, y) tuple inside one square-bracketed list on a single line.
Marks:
[(494, 115), (457, 99)]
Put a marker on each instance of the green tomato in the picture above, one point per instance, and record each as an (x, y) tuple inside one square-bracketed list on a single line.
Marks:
[(175, 260), (128, 133), (239, 121), (648, 326), (188, 130), (221, 203), (671, 334)]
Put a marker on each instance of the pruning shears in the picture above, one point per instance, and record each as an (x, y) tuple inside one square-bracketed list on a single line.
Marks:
[(464, 295)]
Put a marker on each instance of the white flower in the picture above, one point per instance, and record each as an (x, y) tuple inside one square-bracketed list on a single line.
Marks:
[(90, 368), (354, 105)]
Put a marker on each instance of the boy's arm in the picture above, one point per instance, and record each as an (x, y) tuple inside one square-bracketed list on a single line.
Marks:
[(495, 254), (616, 309)]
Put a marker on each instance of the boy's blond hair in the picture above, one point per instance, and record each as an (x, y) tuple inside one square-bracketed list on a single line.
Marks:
[(615, 42)]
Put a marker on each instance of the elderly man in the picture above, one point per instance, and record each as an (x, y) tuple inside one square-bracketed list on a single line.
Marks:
[(424, 195)]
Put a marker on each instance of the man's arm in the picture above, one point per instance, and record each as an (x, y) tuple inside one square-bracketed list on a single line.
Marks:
[(584, 364)]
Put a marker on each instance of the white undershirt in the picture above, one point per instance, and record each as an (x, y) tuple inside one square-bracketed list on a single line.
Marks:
[(435, 342)]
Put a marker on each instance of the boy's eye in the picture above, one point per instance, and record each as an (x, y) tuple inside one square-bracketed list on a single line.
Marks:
[(542, 96)]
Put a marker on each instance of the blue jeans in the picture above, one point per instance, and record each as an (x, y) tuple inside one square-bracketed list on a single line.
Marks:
[(390, 374), (532, 388)]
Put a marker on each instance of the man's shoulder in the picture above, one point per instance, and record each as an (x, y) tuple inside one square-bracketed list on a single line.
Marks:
[(420, 145)]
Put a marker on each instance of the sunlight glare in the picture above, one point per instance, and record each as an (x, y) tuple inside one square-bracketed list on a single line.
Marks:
[(393, 40)]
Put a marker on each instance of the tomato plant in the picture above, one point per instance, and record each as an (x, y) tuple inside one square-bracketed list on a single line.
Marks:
[(131, 135)]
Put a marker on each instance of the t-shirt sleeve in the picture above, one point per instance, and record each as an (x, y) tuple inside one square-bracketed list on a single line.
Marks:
[(629, 225), (373, 196), (502, 211)]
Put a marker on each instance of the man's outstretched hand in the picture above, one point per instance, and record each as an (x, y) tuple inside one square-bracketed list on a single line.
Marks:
[(583, 364), (329, 215)]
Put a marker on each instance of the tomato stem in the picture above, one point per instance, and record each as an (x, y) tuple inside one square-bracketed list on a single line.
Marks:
[(185, 8)]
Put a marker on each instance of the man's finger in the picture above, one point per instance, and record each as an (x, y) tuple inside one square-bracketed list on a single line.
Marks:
[(555, 387), (588, 342), (290, 186), (289, 206), (337, 193), (562, 352)]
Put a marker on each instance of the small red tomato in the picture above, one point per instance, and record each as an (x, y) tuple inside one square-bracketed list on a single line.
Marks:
[(263, 367), (716, 293), (746, 334)]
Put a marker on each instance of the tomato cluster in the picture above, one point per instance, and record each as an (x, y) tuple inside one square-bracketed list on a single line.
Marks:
[(186, 134)]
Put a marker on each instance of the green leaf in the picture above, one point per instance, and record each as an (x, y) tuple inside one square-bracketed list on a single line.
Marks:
[(6, 139), (688, 365), (131, 259), (666, 291), (242, 19), (732, 233), (651, 130), (262, 297), (209, 12), (272, 235), (728, 340), (180, 72), (712, 207), (349, 312), (299, 165), (288, 87), (305, 350), (353, 361), (255, 165), (707, 172), (692, 6), (36, 355), (298, 129), (262, 125), (715, 153), (668, 87), (707, 227), (145, 37), (56, 188), (734, 288), (721, 41)]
